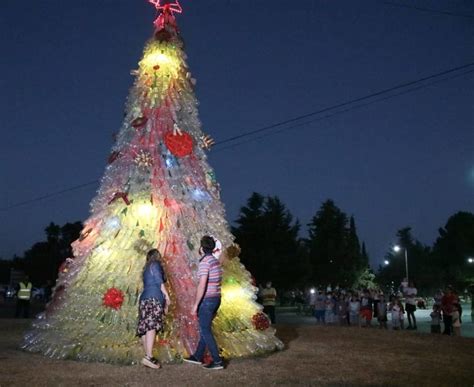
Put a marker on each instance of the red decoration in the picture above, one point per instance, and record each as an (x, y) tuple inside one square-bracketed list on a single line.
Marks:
[(139, 122), (85, 234), (260, 321), (170, 7), (179, 145), (120, 195), (113, 156), (167, 16), (113, 298)]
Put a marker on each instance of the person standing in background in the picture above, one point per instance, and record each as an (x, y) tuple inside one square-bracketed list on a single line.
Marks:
[(410, 293), (268, 296), (23, 298)]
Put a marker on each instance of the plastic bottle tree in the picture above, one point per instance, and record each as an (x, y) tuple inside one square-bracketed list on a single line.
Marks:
[(157, 191)]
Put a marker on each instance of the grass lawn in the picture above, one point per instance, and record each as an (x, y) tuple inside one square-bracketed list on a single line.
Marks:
[(314, 355)]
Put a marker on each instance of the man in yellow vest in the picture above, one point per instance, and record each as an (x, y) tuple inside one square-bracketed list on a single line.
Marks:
[(268, 296), (23, 298)]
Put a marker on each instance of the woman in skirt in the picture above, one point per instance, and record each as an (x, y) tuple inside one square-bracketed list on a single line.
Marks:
[(154, 303)]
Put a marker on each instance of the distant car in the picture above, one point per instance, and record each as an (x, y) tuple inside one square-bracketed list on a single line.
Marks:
[(37, 293), (10, 292)]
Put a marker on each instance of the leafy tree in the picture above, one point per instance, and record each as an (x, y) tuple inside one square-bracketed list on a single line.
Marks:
[(41, 262), (365, 280), (453, 247), (420, 263), (269, 240), (334, 247)]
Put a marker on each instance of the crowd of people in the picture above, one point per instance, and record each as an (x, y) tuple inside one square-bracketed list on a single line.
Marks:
[(371, 307)]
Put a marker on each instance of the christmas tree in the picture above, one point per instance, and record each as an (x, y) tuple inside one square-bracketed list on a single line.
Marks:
[(157, 191)]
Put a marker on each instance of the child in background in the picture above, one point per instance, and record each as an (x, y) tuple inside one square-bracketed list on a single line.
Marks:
[(354, 308), (382, 312), (436, 319), (402, 315), (396, 309), (366, 308), (456, 320), (341, 308), (329, 312)]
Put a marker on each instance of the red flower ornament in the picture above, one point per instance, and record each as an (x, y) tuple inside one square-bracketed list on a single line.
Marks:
[(260, 321), (113, 298)]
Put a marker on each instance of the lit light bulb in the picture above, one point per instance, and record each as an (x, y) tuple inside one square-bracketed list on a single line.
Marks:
[(160, 62), (145, 210)]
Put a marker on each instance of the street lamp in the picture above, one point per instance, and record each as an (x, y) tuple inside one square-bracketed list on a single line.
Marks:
[(386, 262), (470, 260), (397, 249)]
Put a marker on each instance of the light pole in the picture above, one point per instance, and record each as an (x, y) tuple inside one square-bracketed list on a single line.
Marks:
[(397, 249)]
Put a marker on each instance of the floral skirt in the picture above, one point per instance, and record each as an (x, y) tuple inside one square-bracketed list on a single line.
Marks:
[(150, 316)]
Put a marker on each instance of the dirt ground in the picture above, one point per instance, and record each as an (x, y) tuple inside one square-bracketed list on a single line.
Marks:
[(314, 355)]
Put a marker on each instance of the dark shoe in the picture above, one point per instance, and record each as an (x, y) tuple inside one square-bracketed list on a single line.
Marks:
[(151, 362), (192, 360), (213, 366)]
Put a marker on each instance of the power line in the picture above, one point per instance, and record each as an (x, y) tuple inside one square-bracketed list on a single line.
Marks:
[(291, 120), (352, 101), (431, 10), (299, 125), (50, 195)]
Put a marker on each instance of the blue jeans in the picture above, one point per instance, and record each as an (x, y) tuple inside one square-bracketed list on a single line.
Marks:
[(207, 311)]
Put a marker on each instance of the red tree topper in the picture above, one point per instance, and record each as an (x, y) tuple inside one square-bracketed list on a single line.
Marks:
[(260, 321), (113, 298), (167, 14), (169, 7)]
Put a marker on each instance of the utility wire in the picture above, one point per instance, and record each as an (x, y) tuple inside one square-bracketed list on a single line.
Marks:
[(326, 116), (291, 120), (431, 10), (50, 195), (352, 101)]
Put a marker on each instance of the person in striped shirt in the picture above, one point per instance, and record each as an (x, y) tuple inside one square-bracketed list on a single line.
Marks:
[(207, 302)]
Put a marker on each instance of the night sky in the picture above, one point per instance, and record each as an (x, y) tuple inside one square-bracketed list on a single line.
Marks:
[(404, 161)]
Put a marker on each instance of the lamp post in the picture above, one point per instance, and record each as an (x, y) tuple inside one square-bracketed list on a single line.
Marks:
[(397, 249)]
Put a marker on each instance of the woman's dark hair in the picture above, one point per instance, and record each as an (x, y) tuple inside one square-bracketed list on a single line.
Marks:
[(208, 244), (154, 256)]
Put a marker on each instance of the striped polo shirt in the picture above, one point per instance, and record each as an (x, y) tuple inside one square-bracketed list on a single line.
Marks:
[(209, 266)]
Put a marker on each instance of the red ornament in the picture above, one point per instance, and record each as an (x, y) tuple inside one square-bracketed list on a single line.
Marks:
[(113, 298), (260, 321), (113, 156), (120, 195), (85, 234), (139, 122), (179, 145)]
